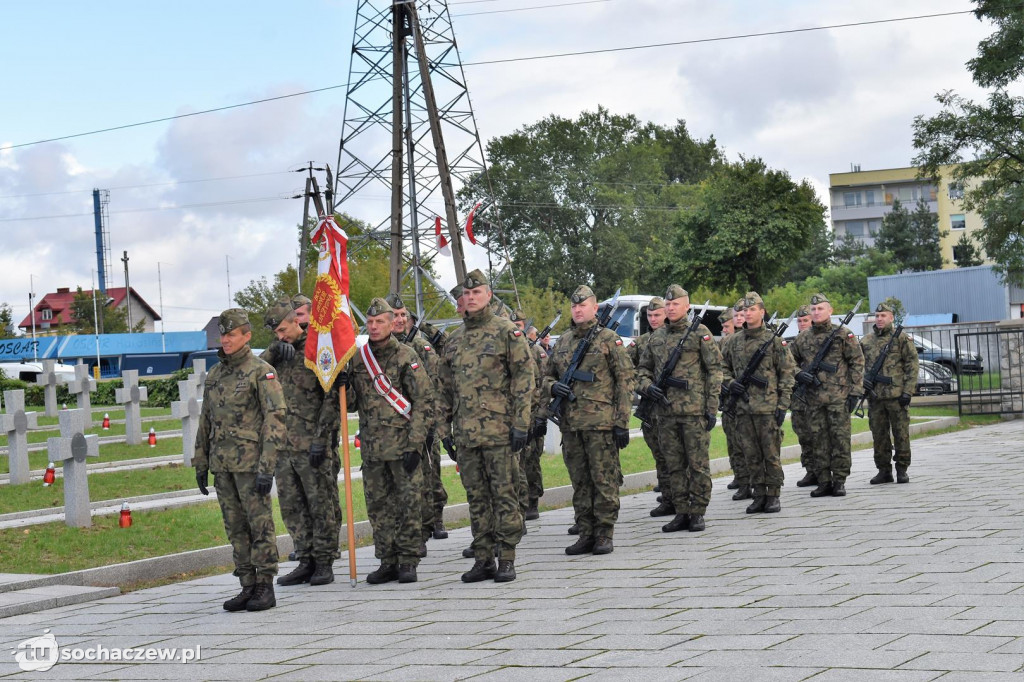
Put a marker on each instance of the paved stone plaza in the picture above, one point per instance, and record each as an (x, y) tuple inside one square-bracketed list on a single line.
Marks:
[(916, 582)]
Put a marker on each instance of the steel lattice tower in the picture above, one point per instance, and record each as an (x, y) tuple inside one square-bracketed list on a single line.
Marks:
[(405, 77)]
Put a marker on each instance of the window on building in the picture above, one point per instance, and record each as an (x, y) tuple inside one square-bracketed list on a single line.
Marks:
[(956, 190), (957, 221), (905, 195), (869, 197), (46, 314), (956, 253), (855, 228), (874, 226), (931, 192), (851, 198)]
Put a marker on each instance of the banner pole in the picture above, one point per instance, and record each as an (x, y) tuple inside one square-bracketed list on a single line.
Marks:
[(346, 463)]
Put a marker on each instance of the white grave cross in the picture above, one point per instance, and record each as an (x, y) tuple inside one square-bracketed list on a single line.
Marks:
[(48, 378), (187, 409), (72, 447), (82, 386), (15, 423), (130, 396)]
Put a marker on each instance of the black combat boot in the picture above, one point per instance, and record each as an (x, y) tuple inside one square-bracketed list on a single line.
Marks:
[(584, 545), (532, 513), (745, 492), (678, 523), (300, 574), (385, 574), (604, 545), (291, 556), (262, 597), (659, 498), (468, 553), (324, 573), (439, 530), (807, 481), (423, 550), (757, 505), (696, 523), (483, 569), (883, 476), (574, 529), (238, 602), (824, 488), (772, 504), (406, 573), (838, 488), (657, 488), (733, 485), (901, 475), (506, 572), (664, 509)]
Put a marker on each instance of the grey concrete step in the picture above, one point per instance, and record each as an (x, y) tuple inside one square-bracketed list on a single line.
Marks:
[(32, 599)]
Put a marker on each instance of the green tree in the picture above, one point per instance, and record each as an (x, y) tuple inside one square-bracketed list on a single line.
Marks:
[(849, 249), (816, 254), (112, 320), (7, 328), (965, 253), (911, 238), (985, 140), (843, 283), (542, 304)]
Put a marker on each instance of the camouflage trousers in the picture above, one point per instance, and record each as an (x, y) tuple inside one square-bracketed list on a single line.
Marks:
[(651, 438), (519, 481), (830, 429), (304, 494), (335, 457), (887, 416), (426, 500), (487, 476), (439, 494), (737, 459), (534, 475), (595, 472), (391, 505), (805, 436), (684, 443), (761, 439), (249, 523)]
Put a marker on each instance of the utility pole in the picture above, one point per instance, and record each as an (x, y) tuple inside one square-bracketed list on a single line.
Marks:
[(32, 312), (160, 290), (227, 271), (127, 292)]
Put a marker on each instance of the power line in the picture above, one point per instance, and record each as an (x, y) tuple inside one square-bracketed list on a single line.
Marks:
[(154, 184), (231, 202), (523, 9)]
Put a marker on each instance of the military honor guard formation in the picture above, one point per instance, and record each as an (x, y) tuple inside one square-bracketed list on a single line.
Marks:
[(486, 392)]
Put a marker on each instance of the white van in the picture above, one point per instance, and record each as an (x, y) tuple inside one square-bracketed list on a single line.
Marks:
[(28, 371), (631, 315)]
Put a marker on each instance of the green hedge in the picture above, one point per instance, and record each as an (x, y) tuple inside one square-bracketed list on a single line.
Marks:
[(161, 391)]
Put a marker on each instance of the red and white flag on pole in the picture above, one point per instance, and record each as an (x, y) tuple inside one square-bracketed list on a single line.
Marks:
[(469, 224), (442, 241), (331, 336)]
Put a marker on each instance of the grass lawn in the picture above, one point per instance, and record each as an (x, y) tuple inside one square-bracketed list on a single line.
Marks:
[(40, 436), (980, 382), (109, 452), (115, 412)]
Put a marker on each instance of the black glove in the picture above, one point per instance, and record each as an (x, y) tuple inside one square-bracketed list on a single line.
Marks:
[(430, 440), (712, 420), (410, 460), (737, 388), (283, 351), (869, 386), (621, 436), (317, 454), (904, 400), (264, 483), (723, 395), (449, 446), (203, 480), (561, 390), (655, 393), (804, 377), (851, 402), (540, 427), (518, 439), (780, 416)]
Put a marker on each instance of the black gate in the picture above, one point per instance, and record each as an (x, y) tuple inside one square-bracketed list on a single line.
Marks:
[(993, 384)]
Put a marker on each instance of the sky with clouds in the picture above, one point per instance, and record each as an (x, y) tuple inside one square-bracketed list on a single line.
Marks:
[(811, 103)]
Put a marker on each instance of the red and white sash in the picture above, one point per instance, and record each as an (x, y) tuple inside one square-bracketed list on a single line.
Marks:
[(382, 384)]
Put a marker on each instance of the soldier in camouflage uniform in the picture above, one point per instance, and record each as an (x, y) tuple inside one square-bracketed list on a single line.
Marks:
[(531, 482), (305, 481), (732, 321), (685, 409), (392, 446), (655, 318), (799, 415), (487, 382), (594, 425), (761, 406), (300, 304), (829, 404), (889, 395), (241, 429)]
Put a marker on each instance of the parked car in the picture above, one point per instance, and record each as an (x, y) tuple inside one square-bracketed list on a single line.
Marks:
[(966, 363), (934, 379), (28, 371)]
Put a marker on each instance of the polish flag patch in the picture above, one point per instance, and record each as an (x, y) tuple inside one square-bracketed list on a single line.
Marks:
[(426, 348), (850, 335), (415, 365), (707, 337), (618, 342), (517, 333), (269, 375)]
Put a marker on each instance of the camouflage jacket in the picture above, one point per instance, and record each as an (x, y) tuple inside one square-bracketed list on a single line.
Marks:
[(636, 350), (430, 360), (604, 402), (241, 426), (312, 415), (697, 376), (540, 362), (487, 381), (900, 364), (383, 433), (845, 354), (776, 369)]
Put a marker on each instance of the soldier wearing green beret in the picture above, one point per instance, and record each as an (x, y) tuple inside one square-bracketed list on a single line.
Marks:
[(830, 403), (889, 395), (799, 415), (307, 487), (685, 409), (241, 430), (737, 460), (392, 443), (487, 382)]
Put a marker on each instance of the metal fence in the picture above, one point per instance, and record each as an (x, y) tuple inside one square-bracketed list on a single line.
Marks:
[(990, 373)]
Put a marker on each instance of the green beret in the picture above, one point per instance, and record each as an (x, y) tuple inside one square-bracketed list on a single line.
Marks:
[(803, 311), (299, 300), (277, 313), (232, 318), (657, 303), (884, 307), (675, 291), (740, 305), (395, 301), (582, 293), (378, 306), (819, 298), (752, 298), (475, 279), (725, 315), (457, 291), (518, 315)]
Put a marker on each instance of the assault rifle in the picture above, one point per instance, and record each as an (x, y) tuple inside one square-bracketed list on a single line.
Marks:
[(874, 375), (547, 329), (573, 373), (664, 378), (748, 377), (411, 336), (818, 363)]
